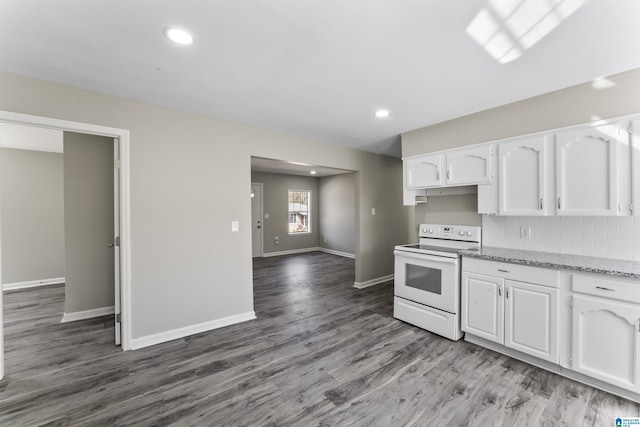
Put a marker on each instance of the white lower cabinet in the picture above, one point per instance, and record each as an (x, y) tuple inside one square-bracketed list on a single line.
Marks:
[(519, 315), (585, 326), (531, 320), (605, 332), (482, 306)]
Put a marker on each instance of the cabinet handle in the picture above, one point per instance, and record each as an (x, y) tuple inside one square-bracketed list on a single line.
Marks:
[(504, 271), (449, 174), (558, 202), (499, 291), (605, 289), (438, 176), (540, 203), (507, 292)]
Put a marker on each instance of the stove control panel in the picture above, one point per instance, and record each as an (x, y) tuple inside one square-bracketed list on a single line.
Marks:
[(451, 232)]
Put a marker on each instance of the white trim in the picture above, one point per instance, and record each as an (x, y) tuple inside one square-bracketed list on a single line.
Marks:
[(372, 282), (261, 185), (291, 252), (305, 250), (87, 314), (125, 204), (149, 340), (32, 284), (339, 253)]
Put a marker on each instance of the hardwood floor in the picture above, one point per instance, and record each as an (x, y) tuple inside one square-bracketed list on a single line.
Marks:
[(321, 353)]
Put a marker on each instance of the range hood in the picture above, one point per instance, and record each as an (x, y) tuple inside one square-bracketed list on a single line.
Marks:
[(452, 191)]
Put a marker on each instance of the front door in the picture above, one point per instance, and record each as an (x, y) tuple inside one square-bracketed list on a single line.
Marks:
[(256, 220)]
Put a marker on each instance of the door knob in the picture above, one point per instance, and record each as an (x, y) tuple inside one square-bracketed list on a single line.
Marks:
[(110, 245)]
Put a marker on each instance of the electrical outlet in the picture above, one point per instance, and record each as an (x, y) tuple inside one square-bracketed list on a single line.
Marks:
[(325, 240), (525, 233)]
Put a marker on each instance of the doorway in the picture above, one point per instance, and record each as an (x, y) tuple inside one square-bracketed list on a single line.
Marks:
[(256, 220), (121, 226)]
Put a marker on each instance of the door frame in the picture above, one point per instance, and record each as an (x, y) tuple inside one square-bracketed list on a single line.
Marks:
[(261, 185), (122, 135)]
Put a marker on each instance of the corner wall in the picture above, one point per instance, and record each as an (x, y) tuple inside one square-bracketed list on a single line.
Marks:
[(338, 213)]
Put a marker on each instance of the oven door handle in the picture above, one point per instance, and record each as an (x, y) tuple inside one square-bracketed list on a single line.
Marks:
[(425, 257)]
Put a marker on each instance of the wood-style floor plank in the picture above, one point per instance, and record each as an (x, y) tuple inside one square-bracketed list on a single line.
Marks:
[(321, 353)]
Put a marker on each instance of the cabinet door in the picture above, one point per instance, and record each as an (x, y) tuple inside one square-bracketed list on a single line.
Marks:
[(483, 306), (586, 171), (424, 171), (605, 341), (469, 166), (524, 176), (531, 319)]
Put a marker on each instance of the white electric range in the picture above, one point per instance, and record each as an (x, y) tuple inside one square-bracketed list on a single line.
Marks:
[(427, 278)]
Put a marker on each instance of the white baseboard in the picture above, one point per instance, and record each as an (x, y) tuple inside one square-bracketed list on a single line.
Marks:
[(339, 253), (33, 283), (149, 340), (87, 314), (291, 252), (372, 282), (303, 250)]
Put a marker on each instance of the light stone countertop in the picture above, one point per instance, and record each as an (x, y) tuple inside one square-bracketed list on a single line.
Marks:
[(612, 267)]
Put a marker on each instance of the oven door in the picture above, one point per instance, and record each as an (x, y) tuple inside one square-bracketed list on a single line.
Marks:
[(428, 279)]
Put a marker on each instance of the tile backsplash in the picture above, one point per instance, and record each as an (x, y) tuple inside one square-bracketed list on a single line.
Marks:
[(608, 237)]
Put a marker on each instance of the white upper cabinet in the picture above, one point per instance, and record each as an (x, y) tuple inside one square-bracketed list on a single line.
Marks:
[(469, 166), (587, 171), (424, 171), (525, 176)]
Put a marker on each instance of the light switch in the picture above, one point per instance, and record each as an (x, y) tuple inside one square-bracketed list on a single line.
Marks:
[(373, 211), (266, 216), (235, 226), (525, 233)]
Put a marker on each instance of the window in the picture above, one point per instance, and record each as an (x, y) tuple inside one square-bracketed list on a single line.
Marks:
[(299, 211)]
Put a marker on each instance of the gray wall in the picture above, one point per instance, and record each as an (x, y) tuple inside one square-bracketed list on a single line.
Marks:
[(275, 203), (455, 210), (190, 176), (32, 215), (338, 212), (88, 205), (578, 104)]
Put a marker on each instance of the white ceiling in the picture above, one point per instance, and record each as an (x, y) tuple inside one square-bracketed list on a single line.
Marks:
[(320, 68)]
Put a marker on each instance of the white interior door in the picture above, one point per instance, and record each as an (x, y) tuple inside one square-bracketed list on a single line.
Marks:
[(116, 242), (256, 220)]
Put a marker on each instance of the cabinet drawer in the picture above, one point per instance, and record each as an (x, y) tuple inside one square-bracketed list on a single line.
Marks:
[(518, 272), (606, 287)]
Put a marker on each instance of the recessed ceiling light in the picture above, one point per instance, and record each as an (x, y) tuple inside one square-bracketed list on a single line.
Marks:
[(313, 172), (179, 36), (381, 114)]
